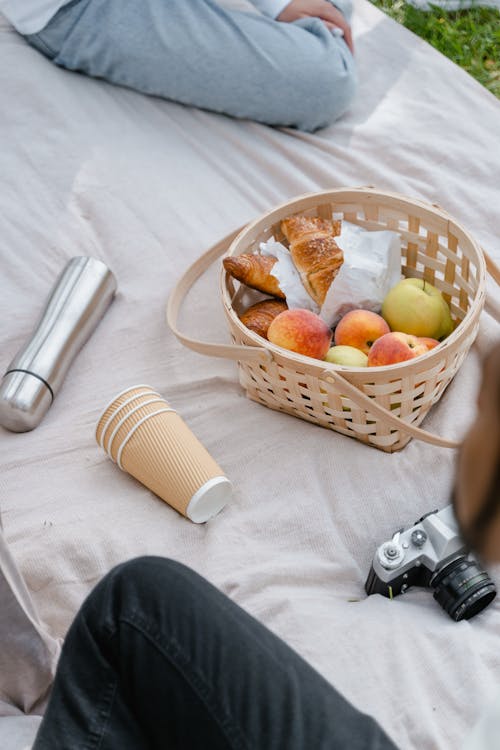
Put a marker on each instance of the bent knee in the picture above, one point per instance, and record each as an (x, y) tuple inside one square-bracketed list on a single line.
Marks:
[(149, 570), (338, 95), (142, 579), (154, 584), (150, 586), (325, 89)]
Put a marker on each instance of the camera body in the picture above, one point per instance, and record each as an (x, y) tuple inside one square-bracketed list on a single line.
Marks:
[(431, 553)]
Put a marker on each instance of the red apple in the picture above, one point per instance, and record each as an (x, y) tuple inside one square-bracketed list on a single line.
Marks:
[(360, 328), (301, 331), (395, 347)]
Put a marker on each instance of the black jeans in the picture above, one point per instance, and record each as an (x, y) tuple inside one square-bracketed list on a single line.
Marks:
[(159, 658)]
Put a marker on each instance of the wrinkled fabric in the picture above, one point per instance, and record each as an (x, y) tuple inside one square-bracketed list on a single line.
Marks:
[(147, 185), (28, 653)]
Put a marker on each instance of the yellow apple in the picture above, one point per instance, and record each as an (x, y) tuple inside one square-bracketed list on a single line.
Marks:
[(348, 356), (416, 307)]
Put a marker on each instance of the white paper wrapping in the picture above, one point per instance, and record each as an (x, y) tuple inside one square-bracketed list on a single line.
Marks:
[(372, 266), (288, 276)]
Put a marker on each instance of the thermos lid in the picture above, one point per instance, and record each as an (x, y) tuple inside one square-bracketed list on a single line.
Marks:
[(24, 399)]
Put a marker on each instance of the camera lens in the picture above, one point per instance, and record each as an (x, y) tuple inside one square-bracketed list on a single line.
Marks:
[(463, 589)]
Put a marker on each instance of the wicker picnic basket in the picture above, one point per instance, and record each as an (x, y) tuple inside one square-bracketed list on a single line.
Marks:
[(380, 406)]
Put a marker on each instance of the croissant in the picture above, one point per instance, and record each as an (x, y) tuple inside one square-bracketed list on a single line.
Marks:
[(296, 227), (314, 252), (254, 271), (259, 317)]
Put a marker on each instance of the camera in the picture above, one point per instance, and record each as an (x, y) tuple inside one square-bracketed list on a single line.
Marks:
[(431, 553)]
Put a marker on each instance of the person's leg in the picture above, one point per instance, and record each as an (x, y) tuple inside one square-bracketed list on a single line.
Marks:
[(159, 658), (198, 53)]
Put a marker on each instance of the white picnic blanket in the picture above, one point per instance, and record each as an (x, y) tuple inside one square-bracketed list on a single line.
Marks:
[(146, 185)]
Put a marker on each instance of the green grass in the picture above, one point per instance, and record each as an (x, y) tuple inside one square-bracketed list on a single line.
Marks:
[(471, 38)]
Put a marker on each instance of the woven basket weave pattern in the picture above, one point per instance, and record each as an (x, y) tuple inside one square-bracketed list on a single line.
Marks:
[(434, 248)]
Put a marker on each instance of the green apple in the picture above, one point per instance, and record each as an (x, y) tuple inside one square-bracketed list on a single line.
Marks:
[(347, 356), (416, 307)]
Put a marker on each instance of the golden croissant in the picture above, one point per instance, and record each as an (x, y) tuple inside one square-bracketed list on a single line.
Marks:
[(314, 252), (255, 271), (259, 317)]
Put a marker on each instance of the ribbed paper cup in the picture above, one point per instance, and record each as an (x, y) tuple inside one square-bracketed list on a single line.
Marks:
[(128, 419), (151, 442), (165, 456), (118, 407)]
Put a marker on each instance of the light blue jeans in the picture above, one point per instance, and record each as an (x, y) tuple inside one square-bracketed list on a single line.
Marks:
[(197, 53)]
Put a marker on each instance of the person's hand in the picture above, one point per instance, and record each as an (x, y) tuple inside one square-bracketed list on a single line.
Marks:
[(322, 9)]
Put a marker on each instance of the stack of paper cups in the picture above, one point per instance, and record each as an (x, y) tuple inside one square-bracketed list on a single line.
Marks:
[(141, 432)]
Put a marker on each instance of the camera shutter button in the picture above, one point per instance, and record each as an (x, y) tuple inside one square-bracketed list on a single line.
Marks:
[(418, 538)]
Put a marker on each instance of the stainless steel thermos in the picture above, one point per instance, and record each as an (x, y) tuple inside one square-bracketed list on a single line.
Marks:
[(75, 306)]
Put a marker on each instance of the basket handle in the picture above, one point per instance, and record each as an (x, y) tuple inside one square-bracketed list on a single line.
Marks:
[(491, 304), (178, 295), (368, 404)]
